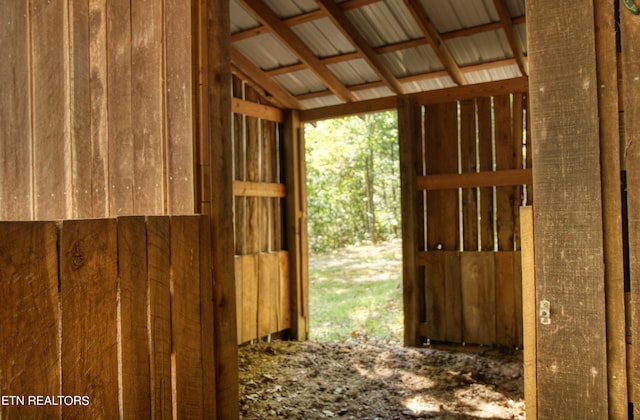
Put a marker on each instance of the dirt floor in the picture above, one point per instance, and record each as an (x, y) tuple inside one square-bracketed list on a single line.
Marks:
[(312, 380)]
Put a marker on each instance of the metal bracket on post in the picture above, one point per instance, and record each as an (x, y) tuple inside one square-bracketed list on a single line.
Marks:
[(545, 312)]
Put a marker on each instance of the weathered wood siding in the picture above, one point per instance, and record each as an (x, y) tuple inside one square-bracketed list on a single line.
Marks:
[(123, 315), (262, 263), (470, 167), (96, 114)]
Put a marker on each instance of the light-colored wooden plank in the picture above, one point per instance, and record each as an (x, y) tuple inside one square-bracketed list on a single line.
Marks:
[(505, 303), (147, 108), (268, 293), (517, 287), (506, 177), (441, 157), (267, 155), (178, 96), (478, 297), (250, 276), (207, 330), (16, 198), (50, 110), (89, 292), (238, 269), (185, 317), (529, 311), (120, 120), (160, 347), (253, 109), (30, 313), (572, 379), (98, 71), (468, 145), (409, 132), (134, 336), (284, 305), (252, 162), (258, 189)]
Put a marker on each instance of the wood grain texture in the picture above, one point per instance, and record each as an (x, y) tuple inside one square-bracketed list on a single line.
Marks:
[(252, 161), (134, 336), (50, 110), (478, 297), (30, 313), (88, 293), (185, 317), (505, 151), (505, 299), (441, 157), (468, 160), (207, 328), (268, 293), (16, 195), (160, 344), (529, 311), (486, 164), (284, 305), (569, 269), (240, 173), (444, 296), (250, 296)]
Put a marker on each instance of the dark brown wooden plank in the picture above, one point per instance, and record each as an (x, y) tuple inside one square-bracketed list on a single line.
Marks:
[(158, 262), (240, 175), (505, 303), (505, 151), (478, 297), (267, 155), (207, 331), (80, 109), (253, 234), (178, 98), (453, 297), (435, 295), (89, 292), (16, 198), (507, 177), (572, 379), (147, 108), (134, 336), (409, 139), (51, 130), (468, 142), (119, 91), (30, 313), (249, 297), (268, 293), (185, 316), (441, 157), (608, 98), (485, 147), (98, 71), (519, 163)]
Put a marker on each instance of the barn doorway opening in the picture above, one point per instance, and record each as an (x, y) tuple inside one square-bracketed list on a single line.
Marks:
[(355, 249)]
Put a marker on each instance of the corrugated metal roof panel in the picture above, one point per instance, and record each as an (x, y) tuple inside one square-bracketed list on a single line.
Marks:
[(289, 8), (521, 35), (300, 82), (354, 72), (411, 61), (480, 48), (321, 102), (266, 51), (241, 19), (380, 24), (490, 75), (450, 15), (428, 84), (375, 93), (323, 38)]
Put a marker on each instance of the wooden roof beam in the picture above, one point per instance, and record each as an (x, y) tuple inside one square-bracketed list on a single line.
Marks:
[(268, 18), (507, 25), (432, 35), (362, 46), (257, 76)]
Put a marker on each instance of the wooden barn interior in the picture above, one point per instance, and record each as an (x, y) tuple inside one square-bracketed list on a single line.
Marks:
[(152, 189)]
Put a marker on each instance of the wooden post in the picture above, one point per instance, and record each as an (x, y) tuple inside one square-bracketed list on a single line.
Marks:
[(413, 284), (611, 206), (296, 226), (529, 311), (214, 32), (568, 227)]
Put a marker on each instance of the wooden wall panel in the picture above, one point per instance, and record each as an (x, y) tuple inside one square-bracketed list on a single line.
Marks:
[(485, 147), (568, 227), (441, 157), (88, 292), (505, 152), (478, 297), (207, 322), (16, 201), (268, 293), (249, 297), (30, 313), (468, 160), (505, 297)]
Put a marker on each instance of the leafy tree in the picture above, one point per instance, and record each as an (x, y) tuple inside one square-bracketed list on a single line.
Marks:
[(353, 180)]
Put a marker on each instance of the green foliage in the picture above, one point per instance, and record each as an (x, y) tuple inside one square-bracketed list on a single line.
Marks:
[(353, 181)]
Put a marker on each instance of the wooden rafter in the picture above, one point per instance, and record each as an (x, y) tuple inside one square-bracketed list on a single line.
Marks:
[(362, 46), (268, 18), (254, 73), (431, 34), (507, 26)]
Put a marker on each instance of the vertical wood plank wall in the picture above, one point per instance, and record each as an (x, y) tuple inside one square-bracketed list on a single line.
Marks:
[(470, 181), (133, 338), (96, 110), (262, 275)]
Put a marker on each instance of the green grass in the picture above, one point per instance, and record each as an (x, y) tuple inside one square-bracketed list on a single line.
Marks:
[(356, 294)]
